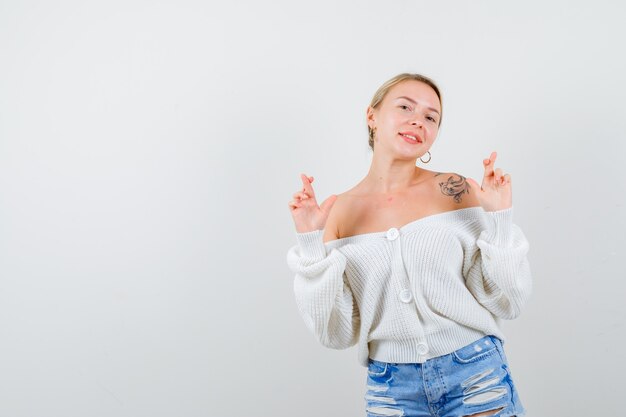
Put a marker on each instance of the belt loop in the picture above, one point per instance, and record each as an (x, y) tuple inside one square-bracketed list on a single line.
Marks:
[(496, 341)]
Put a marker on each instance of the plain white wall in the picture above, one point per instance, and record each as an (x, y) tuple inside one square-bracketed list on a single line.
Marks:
[(148, 150)]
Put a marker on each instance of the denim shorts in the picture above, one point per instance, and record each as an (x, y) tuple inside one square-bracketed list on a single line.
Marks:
[(474, 379)]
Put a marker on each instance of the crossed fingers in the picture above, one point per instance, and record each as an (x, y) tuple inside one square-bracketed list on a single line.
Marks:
[(497, 173), (305, 193)]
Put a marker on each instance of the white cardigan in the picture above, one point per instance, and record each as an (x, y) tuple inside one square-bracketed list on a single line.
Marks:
[(414, 292)]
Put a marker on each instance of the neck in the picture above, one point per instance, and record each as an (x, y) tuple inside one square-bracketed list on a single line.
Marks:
[(391, 175)]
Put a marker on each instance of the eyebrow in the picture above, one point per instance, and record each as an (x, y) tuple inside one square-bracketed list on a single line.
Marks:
[(415, 102)]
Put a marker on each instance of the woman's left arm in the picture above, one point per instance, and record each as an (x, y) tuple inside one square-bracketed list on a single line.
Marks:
[(496, 267)]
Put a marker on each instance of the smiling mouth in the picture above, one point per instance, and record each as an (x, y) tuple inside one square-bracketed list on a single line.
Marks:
[(412, 138)]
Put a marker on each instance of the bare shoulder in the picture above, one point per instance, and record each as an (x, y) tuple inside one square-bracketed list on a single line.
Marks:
[(331, 230), (455, 190)]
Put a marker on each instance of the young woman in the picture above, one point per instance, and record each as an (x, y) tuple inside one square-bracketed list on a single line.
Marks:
[(417, 267)]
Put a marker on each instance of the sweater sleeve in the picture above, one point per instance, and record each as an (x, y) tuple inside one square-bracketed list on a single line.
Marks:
[(323, 295), (496, 268)]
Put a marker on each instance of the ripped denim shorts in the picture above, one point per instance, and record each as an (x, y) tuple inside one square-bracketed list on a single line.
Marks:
[(473, 379)]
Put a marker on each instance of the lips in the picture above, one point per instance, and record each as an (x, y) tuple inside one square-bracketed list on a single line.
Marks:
[(412, 136)]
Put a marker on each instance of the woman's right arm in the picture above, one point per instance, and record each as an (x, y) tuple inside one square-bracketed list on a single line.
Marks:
[(323, 296)]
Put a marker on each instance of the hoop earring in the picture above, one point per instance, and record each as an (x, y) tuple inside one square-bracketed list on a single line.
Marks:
[(430, 157)]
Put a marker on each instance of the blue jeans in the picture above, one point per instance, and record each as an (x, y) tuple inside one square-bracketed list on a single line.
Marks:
[(474, 379)]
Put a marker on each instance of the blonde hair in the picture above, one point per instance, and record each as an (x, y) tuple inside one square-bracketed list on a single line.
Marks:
[(384, 89)]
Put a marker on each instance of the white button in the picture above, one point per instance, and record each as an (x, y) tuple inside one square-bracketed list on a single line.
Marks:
[(422, 348), (405, 296), (392, 233)]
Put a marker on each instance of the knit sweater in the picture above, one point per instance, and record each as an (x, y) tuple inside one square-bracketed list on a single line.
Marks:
[(414, 292)]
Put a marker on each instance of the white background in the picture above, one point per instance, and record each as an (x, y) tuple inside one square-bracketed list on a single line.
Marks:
[(148, 151)]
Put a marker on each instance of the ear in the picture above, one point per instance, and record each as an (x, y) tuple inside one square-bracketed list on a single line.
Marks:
[(369, 117)]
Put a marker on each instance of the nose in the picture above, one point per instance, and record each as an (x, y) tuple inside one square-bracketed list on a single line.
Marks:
[(417, 123)]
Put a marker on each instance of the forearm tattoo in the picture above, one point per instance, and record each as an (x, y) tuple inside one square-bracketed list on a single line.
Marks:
[(455, 186)]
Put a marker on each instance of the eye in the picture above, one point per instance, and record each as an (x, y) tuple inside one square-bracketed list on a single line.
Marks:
[(432, 119), (404, 106)]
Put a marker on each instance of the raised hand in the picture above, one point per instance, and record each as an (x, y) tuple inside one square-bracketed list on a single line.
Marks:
[(307, 215), (495, 192)]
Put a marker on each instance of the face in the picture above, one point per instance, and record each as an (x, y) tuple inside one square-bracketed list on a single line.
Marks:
[(410, 108)]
